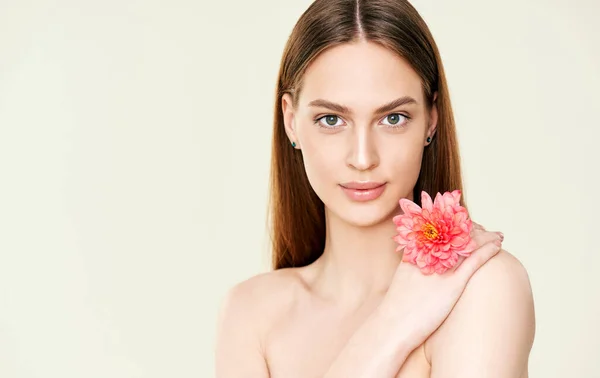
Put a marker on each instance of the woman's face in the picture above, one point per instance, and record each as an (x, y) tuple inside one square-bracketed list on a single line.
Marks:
[(361, 122)]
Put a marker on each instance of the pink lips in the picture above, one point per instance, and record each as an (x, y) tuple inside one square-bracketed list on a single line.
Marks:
[(363, 191)]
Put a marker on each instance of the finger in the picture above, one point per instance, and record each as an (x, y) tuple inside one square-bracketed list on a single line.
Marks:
[(484, 237), (480, 239), (460, 260), (479, 257), (477, 226), (476, 229)]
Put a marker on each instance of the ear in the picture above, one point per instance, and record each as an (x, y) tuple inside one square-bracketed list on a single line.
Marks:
[(433, 118), (288, 111)]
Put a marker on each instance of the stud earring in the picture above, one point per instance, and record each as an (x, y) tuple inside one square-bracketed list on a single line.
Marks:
[(428, 139), (294, 144)]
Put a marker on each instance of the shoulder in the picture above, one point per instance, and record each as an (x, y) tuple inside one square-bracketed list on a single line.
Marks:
[(495, 310), (503, 275), (504, 278), (245, 315), (500, 287), (256, 300), (264, 286)]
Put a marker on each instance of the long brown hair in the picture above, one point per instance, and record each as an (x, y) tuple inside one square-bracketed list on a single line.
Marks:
[(297, 215)]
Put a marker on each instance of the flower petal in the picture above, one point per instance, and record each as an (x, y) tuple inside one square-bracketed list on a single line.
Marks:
[(456, 194), (468, 249), (400, 240), (407, 234), (459, 241), (439, 202), (407, 222), (418, 222), (409, 207), (426, 202), (407, 257), (450, 261), (426, 214), (459, 217), (440, 269)]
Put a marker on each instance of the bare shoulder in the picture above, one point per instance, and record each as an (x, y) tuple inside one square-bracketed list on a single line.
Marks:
[(500, 287), (263, 287), (503, 274), (245, 315), (259, 298), (495, 314)]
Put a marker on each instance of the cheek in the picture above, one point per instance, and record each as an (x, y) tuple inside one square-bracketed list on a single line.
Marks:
[(321, 157), (404, 163), (321, 164)]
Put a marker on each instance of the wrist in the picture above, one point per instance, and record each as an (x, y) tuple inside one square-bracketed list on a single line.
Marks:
[(398, 327)]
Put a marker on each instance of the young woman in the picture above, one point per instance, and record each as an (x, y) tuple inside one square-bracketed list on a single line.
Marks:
[(363, 118)]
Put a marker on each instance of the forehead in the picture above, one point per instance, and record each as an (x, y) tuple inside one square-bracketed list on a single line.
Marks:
[(360, 75)]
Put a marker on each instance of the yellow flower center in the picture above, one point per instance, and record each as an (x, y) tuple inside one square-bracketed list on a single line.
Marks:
[(430, 231)]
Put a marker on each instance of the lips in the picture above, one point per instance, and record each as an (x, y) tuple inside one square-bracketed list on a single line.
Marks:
[(364, 185), (363, 191)]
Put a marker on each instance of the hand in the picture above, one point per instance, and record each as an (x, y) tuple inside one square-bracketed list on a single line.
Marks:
[(420, 303)]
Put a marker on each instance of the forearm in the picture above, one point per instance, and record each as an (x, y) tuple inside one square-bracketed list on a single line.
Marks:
[(377, 349)]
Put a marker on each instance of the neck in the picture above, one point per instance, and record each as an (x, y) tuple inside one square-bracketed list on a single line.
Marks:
[(358, 263)]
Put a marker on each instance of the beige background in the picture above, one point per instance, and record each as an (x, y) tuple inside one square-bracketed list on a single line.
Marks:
[(134, 155)]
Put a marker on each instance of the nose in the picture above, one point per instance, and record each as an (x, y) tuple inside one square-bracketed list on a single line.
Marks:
[(362, 152)]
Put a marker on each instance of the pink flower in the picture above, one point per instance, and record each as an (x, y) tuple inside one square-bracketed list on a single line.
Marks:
[(435, 235)]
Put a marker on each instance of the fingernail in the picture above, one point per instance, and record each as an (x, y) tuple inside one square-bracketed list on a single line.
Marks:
[(501, 236)]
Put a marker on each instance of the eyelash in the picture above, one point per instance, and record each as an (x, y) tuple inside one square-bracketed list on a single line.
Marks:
[(316, 121)]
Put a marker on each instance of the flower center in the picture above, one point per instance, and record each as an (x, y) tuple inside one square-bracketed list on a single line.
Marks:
[(430, 231)]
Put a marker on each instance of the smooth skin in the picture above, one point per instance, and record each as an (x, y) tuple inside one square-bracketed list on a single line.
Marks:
[(358, 311)]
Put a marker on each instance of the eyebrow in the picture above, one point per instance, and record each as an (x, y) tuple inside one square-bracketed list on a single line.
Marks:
[(382, 109)]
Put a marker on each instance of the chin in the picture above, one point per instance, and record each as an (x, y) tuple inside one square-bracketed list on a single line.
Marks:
[(366, 215)]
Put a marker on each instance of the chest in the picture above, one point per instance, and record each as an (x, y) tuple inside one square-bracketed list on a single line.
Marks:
[(305, 343)]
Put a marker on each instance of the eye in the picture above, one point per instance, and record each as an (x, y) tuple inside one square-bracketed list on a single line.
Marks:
[(395, 120), (329, 121)]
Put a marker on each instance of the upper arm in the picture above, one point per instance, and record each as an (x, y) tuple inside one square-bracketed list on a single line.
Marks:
[(490, 331), (238, 344)]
